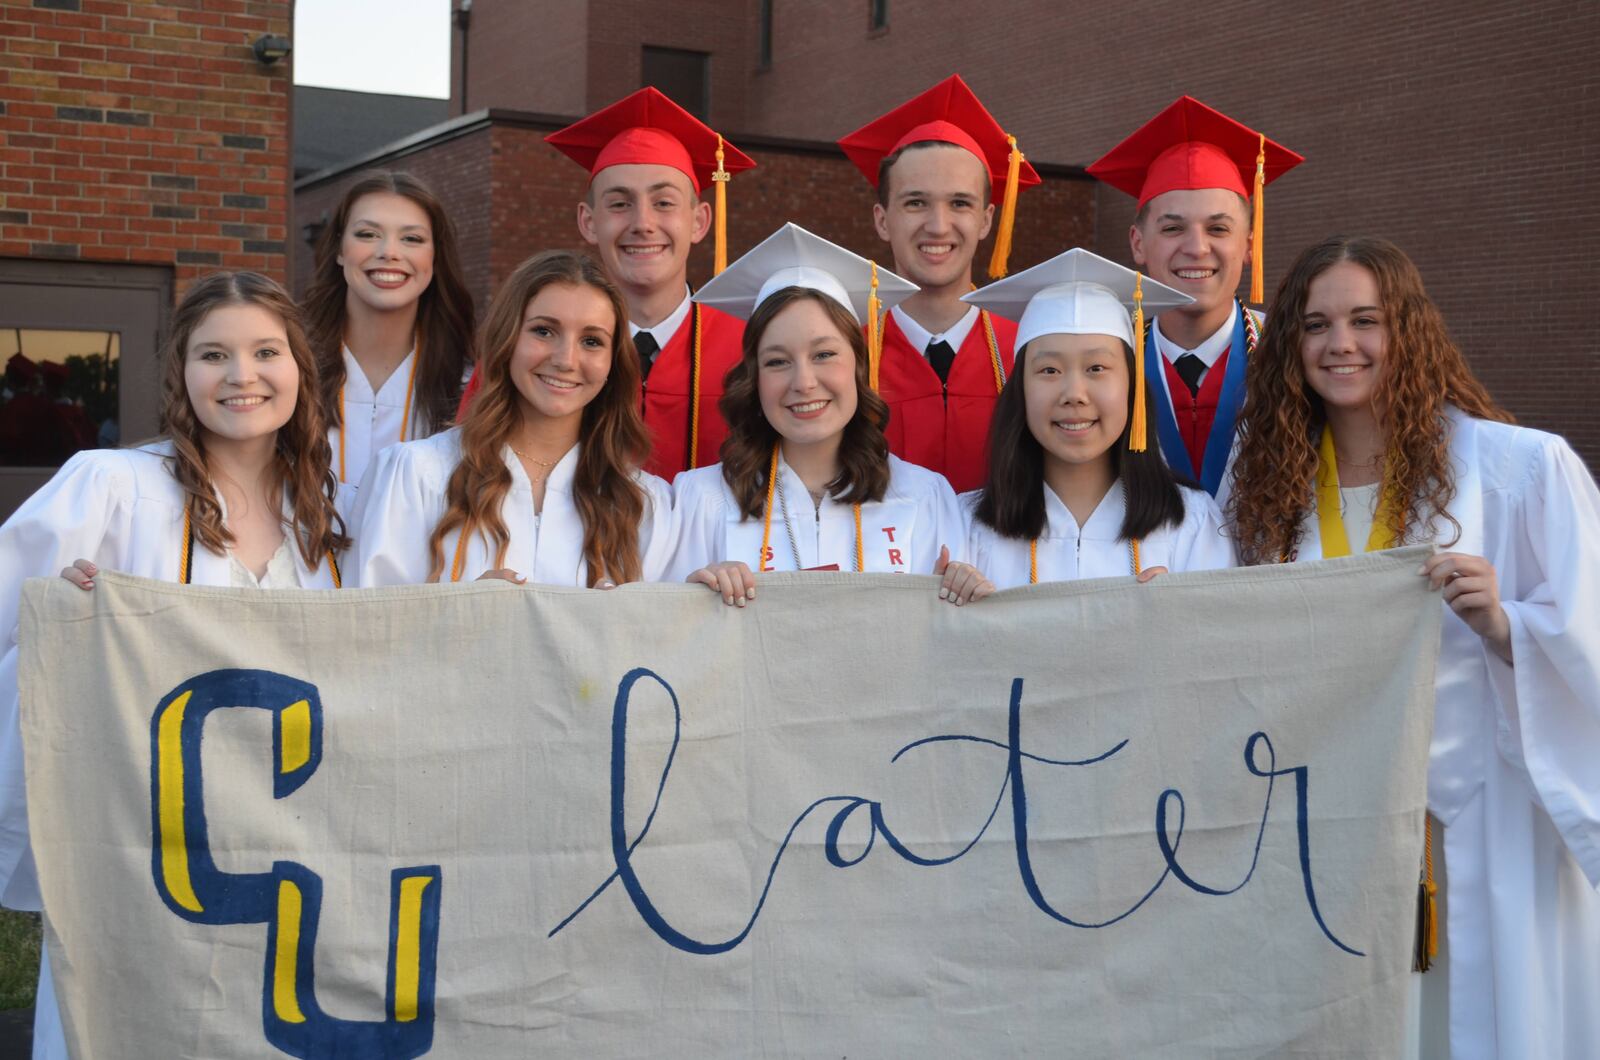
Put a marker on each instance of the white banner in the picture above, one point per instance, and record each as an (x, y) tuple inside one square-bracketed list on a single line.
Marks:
[(1096, 819)]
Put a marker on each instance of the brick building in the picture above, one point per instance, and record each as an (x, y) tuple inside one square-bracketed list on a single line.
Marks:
[(1465, 132), (510, 195), (141, 145)]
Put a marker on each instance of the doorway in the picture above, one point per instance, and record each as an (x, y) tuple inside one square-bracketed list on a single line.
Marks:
[(78, 346)]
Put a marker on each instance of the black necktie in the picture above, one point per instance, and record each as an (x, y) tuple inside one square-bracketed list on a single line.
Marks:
[(941, 357), (1190, 369), (647, 346)]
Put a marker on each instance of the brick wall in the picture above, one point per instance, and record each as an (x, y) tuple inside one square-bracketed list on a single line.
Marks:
[(540, 64), (144, 132), (511, 195), (1464, 132)]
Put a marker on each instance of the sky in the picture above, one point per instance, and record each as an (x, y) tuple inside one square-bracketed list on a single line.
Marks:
[(401, 47)]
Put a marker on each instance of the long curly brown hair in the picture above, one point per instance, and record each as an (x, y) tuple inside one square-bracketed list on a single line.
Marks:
[(613, 441), (1281, 424), (444, 311), (747, 450), (303, 461)]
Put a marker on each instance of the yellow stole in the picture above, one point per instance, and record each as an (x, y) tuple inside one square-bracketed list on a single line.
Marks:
[(1335, 542), (1330, 523)]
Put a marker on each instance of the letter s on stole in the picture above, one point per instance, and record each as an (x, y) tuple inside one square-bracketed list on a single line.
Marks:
[(288, 898)]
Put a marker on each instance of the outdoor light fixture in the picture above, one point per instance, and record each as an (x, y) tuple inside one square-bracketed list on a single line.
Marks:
[(269, 48)]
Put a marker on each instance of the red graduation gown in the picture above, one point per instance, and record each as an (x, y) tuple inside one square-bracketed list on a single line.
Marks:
[(945, 427), (666, 391), (1195, 413)]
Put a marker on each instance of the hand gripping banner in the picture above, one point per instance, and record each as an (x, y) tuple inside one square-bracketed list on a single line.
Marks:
[(1099, 818)]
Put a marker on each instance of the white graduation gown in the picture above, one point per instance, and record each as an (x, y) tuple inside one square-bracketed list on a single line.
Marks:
[(1514, 769), (1097, 549), (122, 509), (900, 534), (372, 423), (403, 499)]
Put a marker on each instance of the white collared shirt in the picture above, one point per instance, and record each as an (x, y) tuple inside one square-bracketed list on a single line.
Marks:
[(920, 336), (1208, 351), (664, 331)]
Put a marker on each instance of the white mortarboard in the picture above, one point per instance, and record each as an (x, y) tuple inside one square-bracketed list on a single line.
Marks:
[(1076, 293), (793, 257), (1079, 293)]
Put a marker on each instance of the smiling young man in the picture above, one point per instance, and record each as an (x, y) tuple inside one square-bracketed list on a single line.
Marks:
[(1194, 171), (649, 160), (938, 163)]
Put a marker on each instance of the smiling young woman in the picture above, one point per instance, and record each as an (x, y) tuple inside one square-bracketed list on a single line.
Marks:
[(806, 480), (390, 319), (541, 481), (1363, 428), (1077, 488), (237, 491)]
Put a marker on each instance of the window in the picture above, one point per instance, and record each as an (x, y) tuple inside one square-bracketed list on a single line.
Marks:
[(877, 15), (683, 75), (59, 394), (78, 347)]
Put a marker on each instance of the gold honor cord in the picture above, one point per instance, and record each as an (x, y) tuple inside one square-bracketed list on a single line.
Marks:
[(766, 521), (1133, 552), (186, 554), (694, 385), (1033, 559), (405, 410), (994, 350)]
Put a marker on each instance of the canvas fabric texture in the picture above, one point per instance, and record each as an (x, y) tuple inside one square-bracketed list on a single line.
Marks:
[(848, 819)]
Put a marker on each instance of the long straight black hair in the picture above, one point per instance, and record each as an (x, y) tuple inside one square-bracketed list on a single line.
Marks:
[(1012, 501)]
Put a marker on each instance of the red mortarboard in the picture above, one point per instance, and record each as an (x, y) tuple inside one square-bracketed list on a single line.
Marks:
[(949, 113), (1189, 146), (648, 128)]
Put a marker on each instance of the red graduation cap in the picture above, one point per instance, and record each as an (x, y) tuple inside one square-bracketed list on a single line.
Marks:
[(949, 113), (1189, 146), (648, 128)]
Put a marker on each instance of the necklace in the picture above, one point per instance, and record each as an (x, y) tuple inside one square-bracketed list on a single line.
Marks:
[(533, 459), (775, 485), (794, 544)]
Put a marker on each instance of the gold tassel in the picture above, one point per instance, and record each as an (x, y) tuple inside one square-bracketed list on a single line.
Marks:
[(1258, 282), (1137, 429), (1008, 213), (720, 179), (874, 330), (1427, 941)]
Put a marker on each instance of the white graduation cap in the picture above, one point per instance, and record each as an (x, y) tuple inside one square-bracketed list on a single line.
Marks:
[(1079, 293), (1076, 293), (793, 257)]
